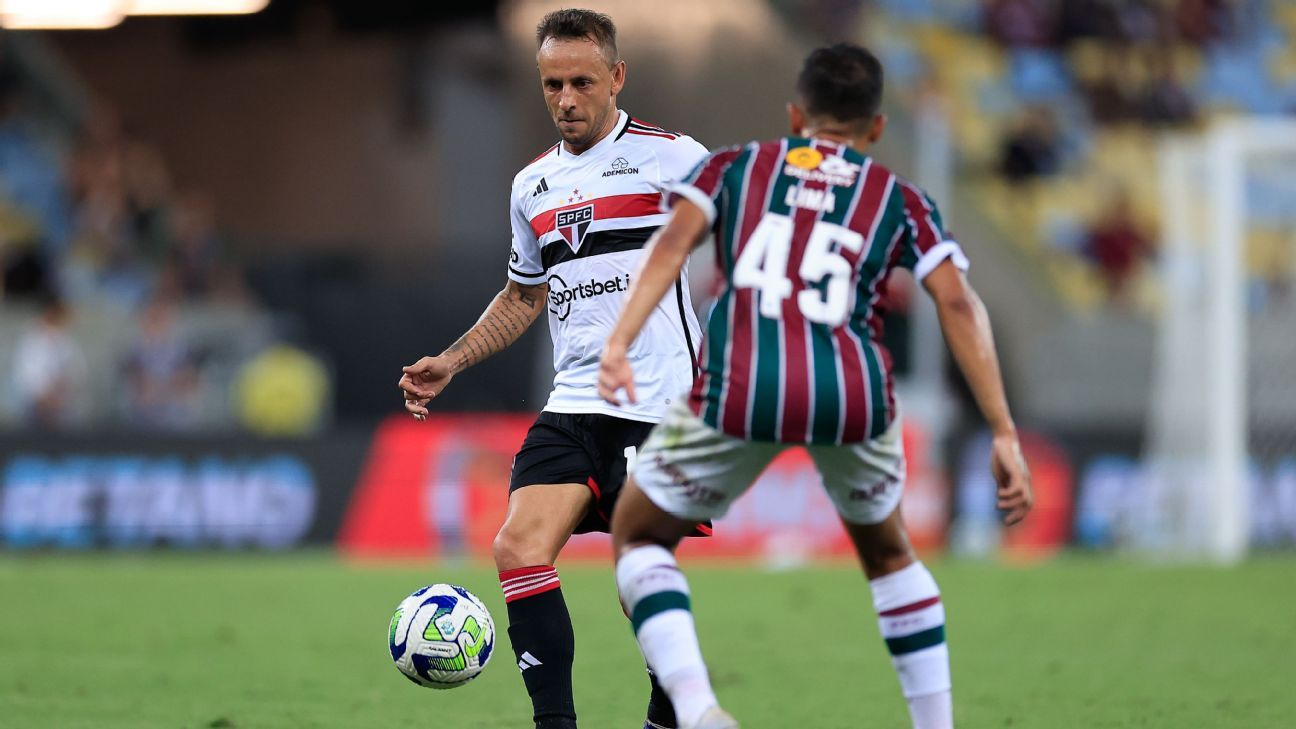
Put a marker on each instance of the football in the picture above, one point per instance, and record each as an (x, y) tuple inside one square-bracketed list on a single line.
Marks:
[(441, 636)]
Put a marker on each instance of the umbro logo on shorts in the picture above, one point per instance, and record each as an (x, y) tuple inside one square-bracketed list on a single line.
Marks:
[(693, 491), (875, 491)]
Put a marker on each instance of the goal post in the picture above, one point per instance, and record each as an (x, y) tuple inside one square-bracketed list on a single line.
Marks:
[(1203, 438)]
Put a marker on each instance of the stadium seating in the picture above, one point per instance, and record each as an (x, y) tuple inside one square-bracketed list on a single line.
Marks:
[(989, 87), (52, 230)]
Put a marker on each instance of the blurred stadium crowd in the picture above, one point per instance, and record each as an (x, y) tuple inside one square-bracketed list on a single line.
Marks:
[(1055, 105), (122, 301)]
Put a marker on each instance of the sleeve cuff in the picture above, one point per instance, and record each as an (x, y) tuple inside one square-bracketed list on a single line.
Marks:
[(704, 202), (936, 255), (528, 279)]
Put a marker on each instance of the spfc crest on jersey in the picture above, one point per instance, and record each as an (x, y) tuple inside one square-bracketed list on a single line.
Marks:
[(573, 224)]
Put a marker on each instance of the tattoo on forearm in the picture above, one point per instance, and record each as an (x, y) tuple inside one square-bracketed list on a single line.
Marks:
[(504, 321)]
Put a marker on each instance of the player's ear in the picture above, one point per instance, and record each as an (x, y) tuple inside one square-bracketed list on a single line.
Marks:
[(618, 77), (877, 128), (796, 119)]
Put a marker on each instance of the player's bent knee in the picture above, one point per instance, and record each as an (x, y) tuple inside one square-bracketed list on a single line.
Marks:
[(883, 558), (513, 549), (884, 547)]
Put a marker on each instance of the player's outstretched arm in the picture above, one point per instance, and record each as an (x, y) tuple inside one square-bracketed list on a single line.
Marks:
[(509, 315), (667, 252), (966, 326)]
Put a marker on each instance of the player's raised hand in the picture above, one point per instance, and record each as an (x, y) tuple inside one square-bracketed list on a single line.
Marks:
[(1015, 495), (615, 374), (422, 381)]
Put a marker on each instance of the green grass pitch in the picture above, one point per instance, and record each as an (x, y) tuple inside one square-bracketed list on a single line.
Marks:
[(299, 641)]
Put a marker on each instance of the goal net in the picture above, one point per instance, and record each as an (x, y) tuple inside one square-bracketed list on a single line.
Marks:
[(1221, 434)]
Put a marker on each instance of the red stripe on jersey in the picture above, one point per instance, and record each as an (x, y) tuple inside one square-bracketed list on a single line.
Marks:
[(734, 417), (645, 126), (872, 204), (854, 382), (926, 233), (663, 135), (741, 363), (798, 375), (543, 154), (708, 178), (878, 304), (857, 408), (796, 378), (796, 360), (634, 205), (877, 319), (711, 176)]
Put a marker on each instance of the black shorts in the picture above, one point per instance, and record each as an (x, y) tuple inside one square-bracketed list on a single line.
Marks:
[(586, 448)]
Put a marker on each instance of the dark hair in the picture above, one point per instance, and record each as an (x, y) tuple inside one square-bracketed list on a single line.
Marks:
[(580, 24), (842, 82)]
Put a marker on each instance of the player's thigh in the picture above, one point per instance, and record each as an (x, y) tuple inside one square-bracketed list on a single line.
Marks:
[(637, 520), (540, 520), (864, 480), (549, 493), (694, 472)]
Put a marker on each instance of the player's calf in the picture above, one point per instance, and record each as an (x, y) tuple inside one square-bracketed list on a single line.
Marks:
[(540, 631), (655, 595), (539, 522), (911, 617)]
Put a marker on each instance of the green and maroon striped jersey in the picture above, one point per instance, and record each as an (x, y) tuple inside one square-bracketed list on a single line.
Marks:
[(807, 232)]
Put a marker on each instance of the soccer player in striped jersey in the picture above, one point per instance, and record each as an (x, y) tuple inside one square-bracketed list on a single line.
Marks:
[(808, 227), (581, 215)]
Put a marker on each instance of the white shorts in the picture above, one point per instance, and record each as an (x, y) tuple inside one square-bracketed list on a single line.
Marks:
[(694, 472)]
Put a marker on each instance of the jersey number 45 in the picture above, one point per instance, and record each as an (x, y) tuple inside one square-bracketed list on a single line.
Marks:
[(763, 265)]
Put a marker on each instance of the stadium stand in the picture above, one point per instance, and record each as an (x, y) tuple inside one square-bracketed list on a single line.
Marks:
[(1056, 107), (110, 263)]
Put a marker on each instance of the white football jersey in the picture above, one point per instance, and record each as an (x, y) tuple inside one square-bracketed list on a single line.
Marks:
[(580, 223)]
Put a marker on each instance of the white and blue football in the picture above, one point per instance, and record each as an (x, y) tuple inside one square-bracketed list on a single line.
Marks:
[(441, 636)]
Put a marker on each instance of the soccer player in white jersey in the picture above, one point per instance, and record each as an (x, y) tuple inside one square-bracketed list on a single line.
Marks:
[(581, 214), (808, 228)]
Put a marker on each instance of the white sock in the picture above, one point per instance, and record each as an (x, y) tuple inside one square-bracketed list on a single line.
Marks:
[(912, 619), (933, 710), (656, 596)]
